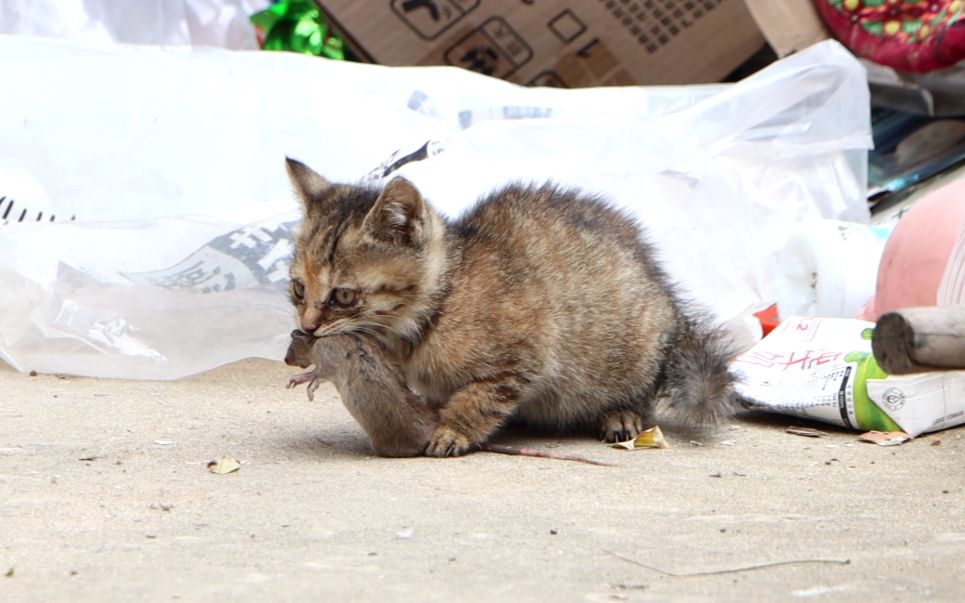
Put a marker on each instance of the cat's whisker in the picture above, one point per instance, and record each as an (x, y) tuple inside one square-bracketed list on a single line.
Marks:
[(365, 330), (373, 329)]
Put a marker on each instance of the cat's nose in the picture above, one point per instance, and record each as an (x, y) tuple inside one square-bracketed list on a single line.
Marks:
[(311, 320)]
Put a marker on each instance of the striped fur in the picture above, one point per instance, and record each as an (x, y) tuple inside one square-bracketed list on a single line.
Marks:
[(541, 305)]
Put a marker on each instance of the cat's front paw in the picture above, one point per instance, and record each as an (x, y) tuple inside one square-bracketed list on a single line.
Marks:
[(446, 441)]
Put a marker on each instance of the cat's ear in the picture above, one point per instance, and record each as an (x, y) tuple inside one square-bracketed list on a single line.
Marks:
[(308, 183), (399, 215)]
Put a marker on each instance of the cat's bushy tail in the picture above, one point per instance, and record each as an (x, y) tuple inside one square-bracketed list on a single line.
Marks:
[(700, 386)]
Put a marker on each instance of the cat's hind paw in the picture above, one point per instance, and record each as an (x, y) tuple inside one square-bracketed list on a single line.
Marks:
[(620, 425), (446, 441)]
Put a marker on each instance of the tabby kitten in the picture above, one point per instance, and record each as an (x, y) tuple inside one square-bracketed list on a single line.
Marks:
[(539, 304)]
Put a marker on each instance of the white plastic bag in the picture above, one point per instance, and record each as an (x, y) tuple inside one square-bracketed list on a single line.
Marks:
[(719, 174), (829, 268), (222, 23)]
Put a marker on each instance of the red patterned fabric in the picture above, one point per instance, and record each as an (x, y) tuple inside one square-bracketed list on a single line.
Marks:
[(909, 35)]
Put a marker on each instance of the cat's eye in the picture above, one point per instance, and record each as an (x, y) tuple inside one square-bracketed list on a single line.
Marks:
[(344, 296), (298, 290)]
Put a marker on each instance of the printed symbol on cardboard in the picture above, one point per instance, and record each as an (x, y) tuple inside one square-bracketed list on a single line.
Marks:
[(429, 18), (493, 49), (483, 59), (894, 398), (549, 79), (654, 23), (585, 51), (566, 26)]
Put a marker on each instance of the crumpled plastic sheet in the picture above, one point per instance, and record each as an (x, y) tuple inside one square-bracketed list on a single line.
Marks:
[(221, 23), (172, 162)]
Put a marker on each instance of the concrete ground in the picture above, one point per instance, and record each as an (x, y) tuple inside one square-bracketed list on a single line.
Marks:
[(105, 496)]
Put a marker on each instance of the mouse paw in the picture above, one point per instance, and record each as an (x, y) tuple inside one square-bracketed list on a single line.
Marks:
[(312, 386), (446, 441), (300, 378)]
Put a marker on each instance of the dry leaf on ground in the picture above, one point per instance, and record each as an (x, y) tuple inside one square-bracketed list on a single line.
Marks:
[(225, 464), (649, 438)]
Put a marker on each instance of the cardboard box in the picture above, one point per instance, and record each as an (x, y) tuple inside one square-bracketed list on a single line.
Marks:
[(788, 25), (555, 42)]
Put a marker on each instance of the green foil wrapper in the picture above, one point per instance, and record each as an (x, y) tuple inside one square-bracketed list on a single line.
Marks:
[(297, 26)]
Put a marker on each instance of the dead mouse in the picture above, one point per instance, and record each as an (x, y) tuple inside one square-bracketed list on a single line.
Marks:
[(372, 387)]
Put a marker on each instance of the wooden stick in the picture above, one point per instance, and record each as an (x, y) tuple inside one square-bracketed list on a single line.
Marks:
[(916, 340)]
